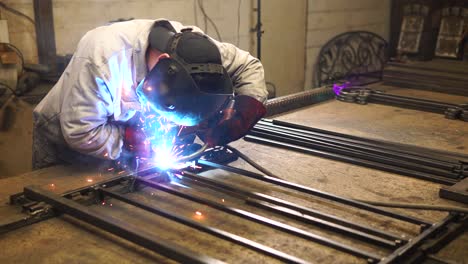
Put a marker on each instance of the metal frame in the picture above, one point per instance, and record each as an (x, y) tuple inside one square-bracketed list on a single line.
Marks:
[(351, 55), (362, 95), (41, 202), (427, 164)]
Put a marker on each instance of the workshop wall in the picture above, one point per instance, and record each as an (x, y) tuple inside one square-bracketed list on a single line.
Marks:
[(73, 18), (328, 18)]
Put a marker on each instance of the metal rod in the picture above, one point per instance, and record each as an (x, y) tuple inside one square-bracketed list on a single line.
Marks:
[(361, 162), (450, 157), (117, 227), (315, 192), (326, 225), (360, 154), (421, 160), (264, 221), (327, 221), (259, 29), (403, 252), (405, 147), (207, 229)]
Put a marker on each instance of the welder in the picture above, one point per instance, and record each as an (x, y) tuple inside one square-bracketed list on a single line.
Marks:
[(118, 70)]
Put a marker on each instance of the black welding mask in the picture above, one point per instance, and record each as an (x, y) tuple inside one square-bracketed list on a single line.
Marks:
[(192, 85)]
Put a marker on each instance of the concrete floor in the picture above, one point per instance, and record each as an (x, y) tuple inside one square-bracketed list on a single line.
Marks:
[(69, 240)]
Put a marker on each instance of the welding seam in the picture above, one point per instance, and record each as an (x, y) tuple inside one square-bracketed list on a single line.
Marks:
[(349, 228), (117, 227), (265, 221), (207, 229), (424, 161), (315, 192), (333, 148)]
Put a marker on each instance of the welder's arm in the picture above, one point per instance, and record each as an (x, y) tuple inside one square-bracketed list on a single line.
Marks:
[(85, 110), (247, 112), (246, 72), (247, 75)]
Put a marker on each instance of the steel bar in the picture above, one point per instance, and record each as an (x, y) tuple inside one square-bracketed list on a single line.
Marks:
[(326, 225), (315, 192), (264, 221), (421, 160), (397, 147), (415, 149), (249, 198), (333, 223), (117, 227), (362, 154), (412, 249), (418, 152), (207, 229), (348, 159)]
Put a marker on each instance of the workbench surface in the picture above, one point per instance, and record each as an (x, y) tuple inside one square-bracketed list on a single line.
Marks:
[(64, 239)]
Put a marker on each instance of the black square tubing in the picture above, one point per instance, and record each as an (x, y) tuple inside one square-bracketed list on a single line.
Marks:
[(318, 193), (117, 227), (331, 136), (370, 149), (370, 257), (207, 229), (361, 154), (416, 150), (300, 213)]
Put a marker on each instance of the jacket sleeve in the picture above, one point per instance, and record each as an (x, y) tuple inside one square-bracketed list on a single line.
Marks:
[(246, 71), (85, 112)]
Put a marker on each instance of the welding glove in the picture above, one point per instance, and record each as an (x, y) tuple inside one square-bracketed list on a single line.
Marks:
[(247, 111), (136, 143)]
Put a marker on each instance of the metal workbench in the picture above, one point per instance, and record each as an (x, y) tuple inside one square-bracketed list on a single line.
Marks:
[(65, 239)]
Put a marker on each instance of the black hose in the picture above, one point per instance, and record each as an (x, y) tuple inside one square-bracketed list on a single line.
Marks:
[(251, 162)]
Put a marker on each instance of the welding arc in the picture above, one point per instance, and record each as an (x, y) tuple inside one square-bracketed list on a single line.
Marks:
[(207, 229)]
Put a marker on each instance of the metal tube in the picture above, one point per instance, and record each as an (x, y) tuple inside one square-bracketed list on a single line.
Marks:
[(117, 227), (440, 155), (419, 150), (207, 229), (384, 145), (352, 160), (265, 221), (315, 192), (333, 148), (421, 160), (316, 217)]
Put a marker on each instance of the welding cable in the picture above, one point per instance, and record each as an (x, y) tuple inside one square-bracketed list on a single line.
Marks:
[(417, 206), (17, 51), (251, 162), (192, 156), (16, 12)]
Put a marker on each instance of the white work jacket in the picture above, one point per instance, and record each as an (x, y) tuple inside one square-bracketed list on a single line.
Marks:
[(85, 111)]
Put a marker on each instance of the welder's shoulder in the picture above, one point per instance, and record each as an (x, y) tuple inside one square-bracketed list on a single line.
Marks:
[(99, 44)]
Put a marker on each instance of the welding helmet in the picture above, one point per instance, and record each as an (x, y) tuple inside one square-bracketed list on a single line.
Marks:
[(190, 86)]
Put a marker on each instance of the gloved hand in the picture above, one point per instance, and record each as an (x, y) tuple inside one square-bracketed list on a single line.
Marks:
[(135, 142), (246, 113)]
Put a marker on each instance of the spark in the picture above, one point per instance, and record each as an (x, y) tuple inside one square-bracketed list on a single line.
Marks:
[(89, 180), (198, 213)]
